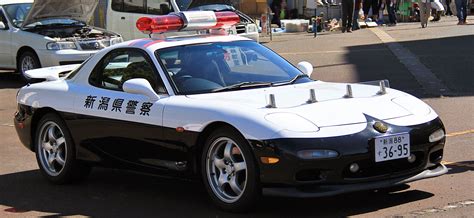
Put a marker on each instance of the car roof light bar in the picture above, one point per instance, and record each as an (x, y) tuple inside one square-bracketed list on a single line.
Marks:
[(187, 21)]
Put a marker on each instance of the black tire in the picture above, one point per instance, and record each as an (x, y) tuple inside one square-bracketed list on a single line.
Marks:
[(27, 56), (72, 169), (252, 190)]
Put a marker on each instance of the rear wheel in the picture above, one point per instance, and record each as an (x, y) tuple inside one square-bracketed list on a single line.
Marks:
[(55, 152), (229, 171)]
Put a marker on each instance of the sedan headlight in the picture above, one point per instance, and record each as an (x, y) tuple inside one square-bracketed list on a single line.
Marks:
[(317, 154), (436, 136), (114, 41), (60, 45), (251, 28)]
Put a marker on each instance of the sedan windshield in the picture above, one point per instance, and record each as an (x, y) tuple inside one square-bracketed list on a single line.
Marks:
[(226, 66), (17, 13)]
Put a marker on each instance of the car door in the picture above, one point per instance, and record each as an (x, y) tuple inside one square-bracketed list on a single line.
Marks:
[(117, 126), (119, 20), (6, 58)]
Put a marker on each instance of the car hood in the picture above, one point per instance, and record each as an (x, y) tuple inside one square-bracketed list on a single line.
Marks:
[(80, 10), (331, 108)]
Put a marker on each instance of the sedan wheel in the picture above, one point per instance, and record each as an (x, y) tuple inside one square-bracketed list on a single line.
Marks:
[(27, 61), (230, 171)]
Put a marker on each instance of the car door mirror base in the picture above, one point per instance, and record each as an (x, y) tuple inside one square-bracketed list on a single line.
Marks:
[(2, 26), (305, 67), (140, 86)]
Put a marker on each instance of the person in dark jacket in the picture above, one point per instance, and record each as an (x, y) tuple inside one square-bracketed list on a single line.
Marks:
[(347, 15), (391, 7)]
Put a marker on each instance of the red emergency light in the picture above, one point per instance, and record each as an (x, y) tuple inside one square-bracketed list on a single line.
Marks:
[(188, 20)]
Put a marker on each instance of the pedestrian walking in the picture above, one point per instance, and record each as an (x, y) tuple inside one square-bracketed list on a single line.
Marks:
[(461, 8), (425, 11), (391, 7), (436, 10), (347, 15), (448, 8)]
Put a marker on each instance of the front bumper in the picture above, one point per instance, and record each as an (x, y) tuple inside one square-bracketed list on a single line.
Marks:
[(49, 58), (330, 190), (293, 176)]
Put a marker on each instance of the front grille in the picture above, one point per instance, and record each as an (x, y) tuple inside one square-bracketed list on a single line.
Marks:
[(368, 168), (94, 44), (240, 29)]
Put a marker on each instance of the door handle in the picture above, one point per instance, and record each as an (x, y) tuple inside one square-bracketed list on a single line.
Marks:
[(123, 18)]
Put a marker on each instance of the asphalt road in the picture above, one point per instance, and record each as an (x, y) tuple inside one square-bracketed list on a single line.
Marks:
[(443, 52)]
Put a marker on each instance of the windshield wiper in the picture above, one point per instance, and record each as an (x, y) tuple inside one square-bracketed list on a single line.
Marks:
[(291, 81), (243, 85)]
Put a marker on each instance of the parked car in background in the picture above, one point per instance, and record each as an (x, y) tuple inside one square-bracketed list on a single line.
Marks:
[(122, 15), (34, 34)]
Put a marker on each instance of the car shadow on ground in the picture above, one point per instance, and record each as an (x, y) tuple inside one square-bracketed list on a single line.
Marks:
[(460, 167), (10, 80), (449, 59), (115, 193)]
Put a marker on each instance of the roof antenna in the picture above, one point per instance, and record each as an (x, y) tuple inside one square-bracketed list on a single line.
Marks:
[(348, 92), (271, 101), (382, 90), (312, 97)]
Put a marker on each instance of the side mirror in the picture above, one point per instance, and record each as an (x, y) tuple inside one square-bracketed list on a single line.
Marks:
[(140, 86), (2, 25), (305, 67)]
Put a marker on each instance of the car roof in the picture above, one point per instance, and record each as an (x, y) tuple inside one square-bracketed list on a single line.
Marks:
[(153, 44), (8, 2)]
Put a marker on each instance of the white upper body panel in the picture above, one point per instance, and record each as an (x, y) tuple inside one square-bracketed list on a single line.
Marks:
[(331, 115)]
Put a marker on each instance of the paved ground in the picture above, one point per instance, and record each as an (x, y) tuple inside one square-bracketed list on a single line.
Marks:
[(404, 54)]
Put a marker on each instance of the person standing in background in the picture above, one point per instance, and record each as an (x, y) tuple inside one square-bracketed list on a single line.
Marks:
[(347, 15), (461, 8), (425, 11), (370, 4), (357, 7), (391, 7), (448, 8)]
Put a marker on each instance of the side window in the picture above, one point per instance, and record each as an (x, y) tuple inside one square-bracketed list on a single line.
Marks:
[(2, 19), (120, 66), (158, 7), (117, 5)]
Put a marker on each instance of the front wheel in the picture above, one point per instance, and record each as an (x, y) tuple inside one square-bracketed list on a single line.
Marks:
[(27, 61), (230, 171), (55, 152)]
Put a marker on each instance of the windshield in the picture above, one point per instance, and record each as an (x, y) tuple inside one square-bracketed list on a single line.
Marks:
[(17, 13), (185, 5), (225, 66)]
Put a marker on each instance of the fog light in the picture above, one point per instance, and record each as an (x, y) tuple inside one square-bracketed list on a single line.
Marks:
[(412, 158), (354, 167), (436, 136), (317, 154)]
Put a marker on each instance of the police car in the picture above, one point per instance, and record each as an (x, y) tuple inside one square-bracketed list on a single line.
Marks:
[(229, 110)]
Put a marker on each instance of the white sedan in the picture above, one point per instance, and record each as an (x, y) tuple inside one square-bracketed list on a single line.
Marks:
[(36, 34)]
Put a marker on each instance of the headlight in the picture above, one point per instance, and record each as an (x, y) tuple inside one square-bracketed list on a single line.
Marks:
[(317, 154), (60, 45), (114, 41), (436, 136), (251, 28)]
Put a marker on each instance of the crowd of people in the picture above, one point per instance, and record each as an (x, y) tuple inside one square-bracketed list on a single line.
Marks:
[(425, 9)]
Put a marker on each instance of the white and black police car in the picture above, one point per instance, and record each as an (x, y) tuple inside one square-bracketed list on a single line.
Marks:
[(229, 110)]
